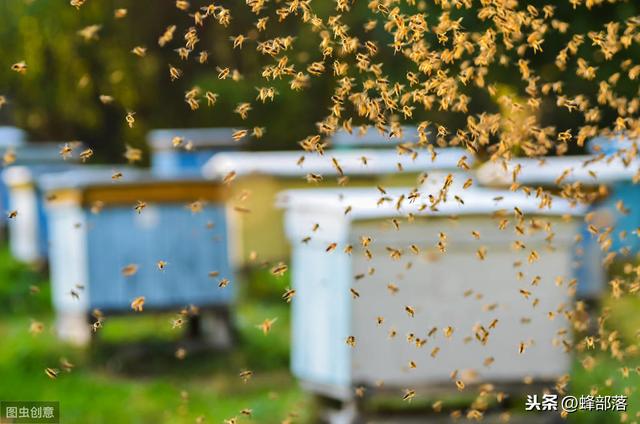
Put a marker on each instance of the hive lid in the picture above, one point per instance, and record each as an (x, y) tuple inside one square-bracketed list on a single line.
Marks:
[(45, 152), (95, 183), (161, 139), (364, 201), (573, 169), (11, 136), (285, 163), (372, 137)]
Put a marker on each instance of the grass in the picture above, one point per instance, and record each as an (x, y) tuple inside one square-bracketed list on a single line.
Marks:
[(131, 375)]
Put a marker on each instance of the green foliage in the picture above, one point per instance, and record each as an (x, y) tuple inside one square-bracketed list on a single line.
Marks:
[(16, 288), (58, 97)]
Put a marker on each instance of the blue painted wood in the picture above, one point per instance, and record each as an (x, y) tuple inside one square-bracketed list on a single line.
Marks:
[(117, 237), (170, 161)]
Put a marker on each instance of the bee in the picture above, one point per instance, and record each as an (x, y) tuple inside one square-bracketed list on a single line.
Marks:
[(20, 67), (239, 134), (138, 304), (174, 73), (224, 282), (90, 32), (66, 365), (9, 157), (139, 51), (409, 395), (52, 373), (351, 341), (279, 270), (140, 205), (129, 119), (266, 325), (12, 214), (331, 247), (460, 385), (161, 265), (246, 375), (130, 270), (211, 97), (288, 295), (120, 13), (229, 177), (85, 155), (410, 311), (36, 327)]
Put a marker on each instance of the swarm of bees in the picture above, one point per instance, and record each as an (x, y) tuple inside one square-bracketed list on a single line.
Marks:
[(445, 66)]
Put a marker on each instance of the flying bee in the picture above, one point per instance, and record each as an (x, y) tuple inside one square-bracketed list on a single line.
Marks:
[(288, 295), (266, 325), (246, 375), (161, 265), (85, 155), (20, 67), (409, 394), (174, 73), (139, 51), (129, 119), (12, 214), (140, 205), (279, 270), (229, 177), (130, 270), (52, 373), (138, 304), (132, 154), (351, 341)]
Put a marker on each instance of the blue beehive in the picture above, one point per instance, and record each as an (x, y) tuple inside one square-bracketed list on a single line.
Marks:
[(626, 190), (28, 230), (197, 146), (95, 234)]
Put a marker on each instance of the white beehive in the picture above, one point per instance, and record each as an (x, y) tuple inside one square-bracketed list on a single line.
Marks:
[(264, 174), (454, 289)]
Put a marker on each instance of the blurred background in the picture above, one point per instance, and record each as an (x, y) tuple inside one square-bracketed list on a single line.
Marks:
[(131, 373)]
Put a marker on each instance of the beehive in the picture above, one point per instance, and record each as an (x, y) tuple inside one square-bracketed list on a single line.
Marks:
[(10, 138), (613, 173), (264, 174), (455, 289), (95, 233), (198, 146), (28, 230)]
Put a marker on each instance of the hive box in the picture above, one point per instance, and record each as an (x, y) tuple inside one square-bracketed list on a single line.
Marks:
[(263, 174), (91, 247), (617, 175), (10, 138), (28, 230), (169, 161), (454, 289)]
